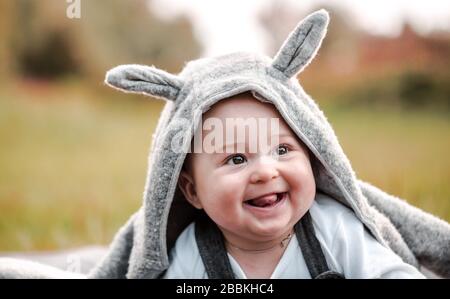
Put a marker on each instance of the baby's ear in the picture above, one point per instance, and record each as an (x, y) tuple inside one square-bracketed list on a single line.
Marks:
[(145, 80), (187, 186), (302, 44)]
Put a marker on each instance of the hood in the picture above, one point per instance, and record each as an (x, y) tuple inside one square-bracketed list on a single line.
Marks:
[(141, 248)]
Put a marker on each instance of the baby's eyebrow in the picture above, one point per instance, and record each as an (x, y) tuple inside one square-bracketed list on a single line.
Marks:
[(282, 135), (234, 146), (286, 135), (245, 145)]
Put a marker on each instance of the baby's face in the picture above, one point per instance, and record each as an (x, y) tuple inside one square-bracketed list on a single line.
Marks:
[(255, 195)]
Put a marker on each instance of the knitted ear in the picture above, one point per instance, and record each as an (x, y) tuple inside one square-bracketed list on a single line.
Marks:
[(302, 44), (144, 79)]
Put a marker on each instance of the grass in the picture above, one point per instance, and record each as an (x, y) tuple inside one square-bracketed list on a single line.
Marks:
[(406, 153), (71, 170), (73, 160)]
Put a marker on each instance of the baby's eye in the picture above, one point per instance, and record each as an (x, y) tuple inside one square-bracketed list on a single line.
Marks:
[(236, 160), (282, 150)]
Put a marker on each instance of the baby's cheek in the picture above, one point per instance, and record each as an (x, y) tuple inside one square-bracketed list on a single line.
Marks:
[(223, 191), (307, 192), (308, 182), (229, 185), (301, 181), (228, 194), (221, 208)]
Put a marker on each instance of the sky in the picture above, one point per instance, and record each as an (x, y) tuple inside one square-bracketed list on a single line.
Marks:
[(229, 25)]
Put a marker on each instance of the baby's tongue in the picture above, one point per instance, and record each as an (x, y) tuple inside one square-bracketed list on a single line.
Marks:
[(264, 200)]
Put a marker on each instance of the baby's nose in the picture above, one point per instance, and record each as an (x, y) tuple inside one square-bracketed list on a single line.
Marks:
[(265, 170)]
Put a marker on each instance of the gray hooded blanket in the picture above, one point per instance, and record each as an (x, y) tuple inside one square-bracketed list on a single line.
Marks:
[(140, 248)]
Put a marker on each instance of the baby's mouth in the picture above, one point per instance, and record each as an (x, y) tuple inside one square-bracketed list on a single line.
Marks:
[(267, 200)]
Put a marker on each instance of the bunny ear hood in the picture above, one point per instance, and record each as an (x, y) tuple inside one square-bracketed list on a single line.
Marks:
[(140, 249), (145, 80), (302, 44)]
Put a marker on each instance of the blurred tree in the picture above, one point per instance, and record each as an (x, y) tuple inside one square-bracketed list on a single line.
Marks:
[(47, 44), (410, 70), (6, 39), (114, 32), (415, 88), (339, 48)]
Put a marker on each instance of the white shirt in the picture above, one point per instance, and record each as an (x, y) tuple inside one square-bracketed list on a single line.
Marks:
[(348, 248)]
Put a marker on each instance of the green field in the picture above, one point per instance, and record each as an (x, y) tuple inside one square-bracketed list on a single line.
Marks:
[(73, 161)]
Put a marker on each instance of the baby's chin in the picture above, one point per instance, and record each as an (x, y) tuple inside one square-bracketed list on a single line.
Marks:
[(270, 228)]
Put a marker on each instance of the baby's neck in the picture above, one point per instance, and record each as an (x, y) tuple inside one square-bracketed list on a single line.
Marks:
[(258, 259)]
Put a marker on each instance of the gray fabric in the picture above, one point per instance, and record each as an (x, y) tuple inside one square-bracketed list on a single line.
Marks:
[(140, 249), (214, 256), (427, 236), (80, 260), (212, 250), (312, 251), (11, 268)]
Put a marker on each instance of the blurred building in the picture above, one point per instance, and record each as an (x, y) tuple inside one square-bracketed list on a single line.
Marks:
[(40, 41)]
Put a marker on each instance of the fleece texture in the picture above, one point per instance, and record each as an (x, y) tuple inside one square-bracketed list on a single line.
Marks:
[(140, 248)]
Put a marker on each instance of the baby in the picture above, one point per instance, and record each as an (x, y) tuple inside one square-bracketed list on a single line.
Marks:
[(256, 198), (280, 201)]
